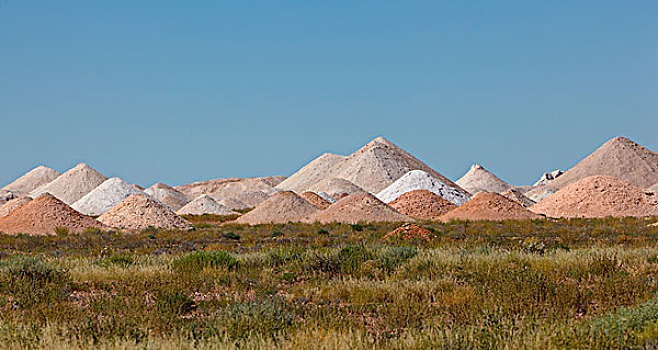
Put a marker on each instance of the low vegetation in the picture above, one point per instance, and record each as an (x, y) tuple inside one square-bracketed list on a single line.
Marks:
[(576, 283)]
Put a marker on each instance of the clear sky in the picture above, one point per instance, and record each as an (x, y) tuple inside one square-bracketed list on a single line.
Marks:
[(177, 91)]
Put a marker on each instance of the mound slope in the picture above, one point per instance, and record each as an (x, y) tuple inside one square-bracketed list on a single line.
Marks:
[(204, 204), (422, 205), (230, 187), (358, 207), (140, 211), (422, 180), (282, 207), (167, 195), (42, 215), (489, 206), (335, 187), (73, 184), (13, 205), (373, 167), (598, 196), (653, 188), (518, 197), (619, 157), (33, 179), (104, 197), (479, 179), (316, 200)]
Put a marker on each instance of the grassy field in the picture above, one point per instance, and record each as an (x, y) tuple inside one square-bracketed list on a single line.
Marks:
[(510, 285)]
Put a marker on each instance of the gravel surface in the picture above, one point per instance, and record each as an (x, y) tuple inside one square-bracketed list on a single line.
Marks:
[(140, 211), (422, 205), (598, 196), (43, 215), (489, 206)]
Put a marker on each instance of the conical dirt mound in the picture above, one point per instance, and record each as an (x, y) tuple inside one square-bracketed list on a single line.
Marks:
[(73, 184), (168, 195), (32, 180), (422, 180), (518, 197), (358, 207), (479, 179), (105, 197), (373, 167), (422, 205), (43, 215), (312, 173), (489, 206), (204, 204), (13, 204), (619, 157), (598, 196), (316, 200), (282, 207), (140, 211), (230, 187), (335, 187), (233, 204)]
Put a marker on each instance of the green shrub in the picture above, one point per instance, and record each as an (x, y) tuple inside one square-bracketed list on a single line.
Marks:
[(231, 235), (352, 257), (32, 280), (124, 260), (149, 229), (61, 231), (393, 257), (175, 304), (276, 234), (198, 261), (357, 227), (202, 225), (323, 232)]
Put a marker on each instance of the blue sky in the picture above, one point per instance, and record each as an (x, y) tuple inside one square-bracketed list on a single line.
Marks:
[(180, 91)]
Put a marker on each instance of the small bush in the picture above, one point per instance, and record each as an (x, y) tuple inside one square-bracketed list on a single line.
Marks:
[(175, 304), (352, 257), (276, 234), (198, 261), (124, 260), (92, 231), (357, 227), (149, 229), (32, 280), (393, 257), (61, 231), (323, 232), (231, 235), (202, 225)]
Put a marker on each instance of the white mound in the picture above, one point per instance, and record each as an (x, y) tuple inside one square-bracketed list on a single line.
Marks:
[(421, 180), (105, 197), (204, 204), (72, 185), (168, 195), (479, 179), (32, 180)]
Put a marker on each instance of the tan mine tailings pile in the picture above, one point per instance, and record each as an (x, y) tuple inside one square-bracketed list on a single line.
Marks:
[(105, 197), (653, 188), (168, 195), (335, 187), (140, 211), (598, 196), (359, 207), (43, 215), (479, 179), (73, 184), (13, 204), (422, 205), (281, 208), (32, 180), (233, 204), (316, 200), (6, 196), (619, 157), (373, 167), (489, 206), (312, 173), (205, 204), (518, 197), (230, 187)]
